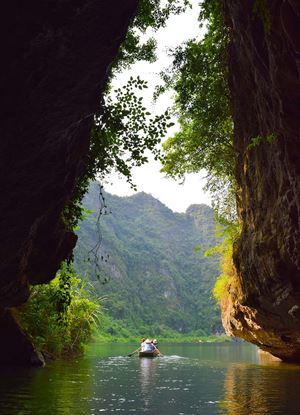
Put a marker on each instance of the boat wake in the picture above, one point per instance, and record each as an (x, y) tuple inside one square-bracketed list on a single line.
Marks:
[(174, 357)]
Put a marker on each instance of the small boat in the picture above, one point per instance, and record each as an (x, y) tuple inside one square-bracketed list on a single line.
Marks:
[(148, 354)]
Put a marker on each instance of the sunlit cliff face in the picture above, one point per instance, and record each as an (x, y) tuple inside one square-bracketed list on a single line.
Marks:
[(265, 88), (55, 64)]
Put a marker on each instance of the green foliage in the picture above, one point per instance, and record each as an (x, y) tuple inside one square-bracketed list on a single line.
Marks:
[(151, 14), (204, 141), (59, 317), (122, 134), (223, 195), (225, 250), (255, 141), (195, 338), (169, 336), (124, 131), (155, 13), (133, 51), (220, 287)]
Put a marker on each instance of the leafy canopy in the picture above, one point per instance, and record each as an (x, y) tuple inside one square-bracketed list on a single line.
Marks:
[(124, 131), (151, 14), (121, 135)]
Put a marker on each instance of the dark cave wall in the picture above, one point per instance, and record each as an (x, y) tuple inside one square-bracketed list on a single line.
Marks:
[(55, 58), (264, 80)]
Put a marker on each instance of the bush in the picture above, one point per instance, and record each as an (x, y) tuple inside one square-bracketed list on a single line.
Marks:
[(227, 280), (59, 317)]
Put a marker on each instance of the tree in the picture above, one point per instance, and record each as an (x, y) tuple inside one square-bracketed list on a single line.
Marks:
[(151, 14), (204, 141)]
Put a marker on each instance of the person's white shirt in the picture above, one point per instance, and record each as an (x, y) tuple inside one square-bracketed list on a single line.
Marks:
[(147, 347)]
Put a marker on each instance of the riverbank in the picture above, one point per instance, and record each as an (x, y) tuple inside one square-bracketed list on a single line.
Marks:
[(107, 338)]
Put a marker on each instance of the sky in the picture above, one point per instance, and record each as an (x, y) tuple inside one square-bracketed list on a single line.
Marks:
[(148, 178)]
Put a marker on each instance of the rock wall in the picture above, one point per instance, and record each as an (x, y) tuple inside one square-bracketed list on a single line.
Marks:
[(55, 57), (264, 54)]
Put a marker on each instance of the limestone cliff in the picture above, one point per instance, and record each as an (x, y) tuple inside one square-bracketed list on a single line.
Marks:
[(55, 56), (265, 85)]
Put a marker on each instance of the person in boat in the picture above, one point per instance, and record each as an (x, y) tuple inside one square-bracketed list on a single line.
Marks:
[(139, 349), (147, 346), (142, 346), (156, 349)]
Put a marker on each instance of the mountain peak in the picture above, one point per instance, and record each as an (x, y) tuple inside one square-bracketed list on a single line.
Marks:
[(196, 209), (149, 200)]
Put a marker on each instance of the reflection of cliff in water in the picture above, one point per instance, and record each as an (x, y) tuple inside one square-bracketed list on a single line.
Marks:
[(148, 379), (263, 390), (57, 389)]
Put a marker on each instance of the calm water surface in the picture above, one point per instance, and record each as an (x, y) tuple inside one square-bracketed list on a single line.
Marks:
[(191, 379)]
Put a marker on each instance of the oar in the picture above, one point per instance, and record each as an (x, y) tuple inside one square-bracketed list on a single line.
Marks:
[(131, 354), (158, 351)]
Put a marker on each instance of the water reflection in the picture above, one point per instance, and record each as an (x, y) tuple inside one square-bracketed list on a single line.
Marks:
[(191, 380), (261, 390), (148, 368), (45, 391)]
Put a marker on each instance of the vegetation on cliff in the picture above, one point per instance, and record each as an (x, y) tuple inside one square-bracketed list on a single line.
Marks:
[(155, 278), (227, 278)]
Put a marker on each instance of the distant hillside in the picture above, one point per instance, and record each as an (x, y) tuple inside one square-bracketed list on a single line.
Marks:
[(155, 278)]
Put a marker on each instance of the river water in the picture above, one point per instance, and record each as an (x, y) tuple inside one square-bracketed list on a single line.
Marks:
[(207, 379)]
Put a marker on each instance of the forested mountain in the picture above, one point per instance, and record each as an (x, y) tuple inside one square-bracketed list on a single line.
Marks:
[(156, 278)]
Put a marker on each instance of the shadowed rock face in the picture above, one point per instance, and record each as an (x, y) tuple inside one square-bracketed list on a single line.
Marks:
[(55, 56), (265, 84)]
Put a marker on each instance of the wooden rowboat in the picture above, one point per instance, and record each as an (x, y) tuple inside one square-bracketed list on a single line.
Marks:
[(148, 354)]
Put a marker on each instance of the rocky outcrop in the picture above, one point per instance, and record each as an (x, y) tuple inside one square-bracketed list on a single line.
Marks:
[(55, 58), (265, 85), (15, 347)]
